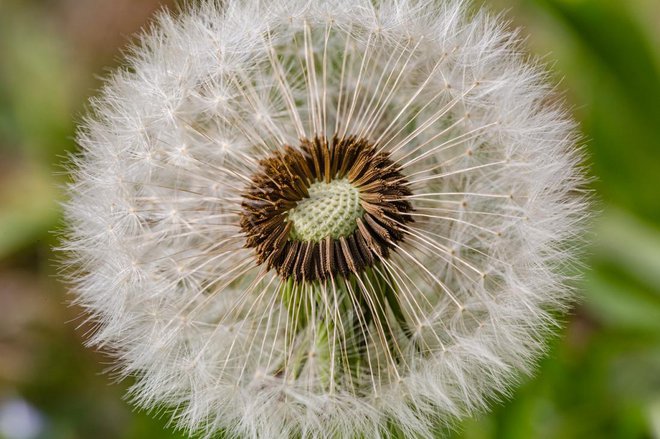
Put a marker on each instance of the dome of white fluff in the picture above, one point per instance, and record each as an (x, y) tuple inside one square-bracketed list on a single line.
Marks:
[(159, 257)]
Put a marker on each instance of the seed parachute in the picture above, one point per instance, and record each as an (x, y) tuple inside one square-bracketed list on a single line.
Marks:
[(324, 219)]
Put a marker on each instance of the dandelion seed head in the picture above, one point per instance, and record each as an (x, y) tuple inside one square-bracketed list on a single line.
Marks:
[(324, 219)]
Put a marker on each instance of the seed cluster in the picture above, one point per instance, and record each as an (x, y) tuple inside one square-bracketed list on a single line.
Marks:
[(284, 179)]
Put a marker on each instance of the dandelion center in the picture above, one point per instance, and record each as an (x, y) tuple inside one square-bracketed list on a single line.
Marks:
[(327, 208), (332, 209)]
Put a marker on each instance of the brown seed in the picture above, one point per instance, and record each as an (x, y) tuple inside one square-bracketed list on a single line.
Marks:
[(283, 180)]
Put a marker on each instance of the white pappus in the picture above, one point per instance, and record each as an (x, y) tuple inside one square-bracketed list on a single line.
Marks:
[(324, 219)]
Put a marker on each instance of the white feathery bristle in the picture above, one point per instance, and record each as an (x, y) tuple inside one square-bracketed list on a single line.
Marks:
[(160, 260)]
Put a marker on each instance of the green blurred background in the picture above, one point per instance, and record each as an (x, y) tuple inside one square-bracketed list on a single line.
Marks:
[(601, 378)]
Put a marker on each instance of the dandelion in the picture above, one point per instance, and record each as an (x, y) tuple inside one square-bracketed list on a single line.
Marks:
[(324, 219)]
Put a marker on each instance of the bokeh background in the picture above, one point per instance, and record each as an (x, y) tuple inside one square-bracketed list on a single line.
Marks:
[(601, 377)]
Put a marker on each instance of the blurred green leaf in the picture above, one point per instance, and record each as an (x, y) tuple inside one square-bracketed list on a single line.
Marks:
[(613, 36), (632, 244), (616, 63), (623, 304), (623, 289)]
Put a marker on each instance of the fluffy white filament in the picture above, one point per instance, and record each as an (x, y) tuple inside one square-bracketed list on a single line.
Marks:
[(159, 256)]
